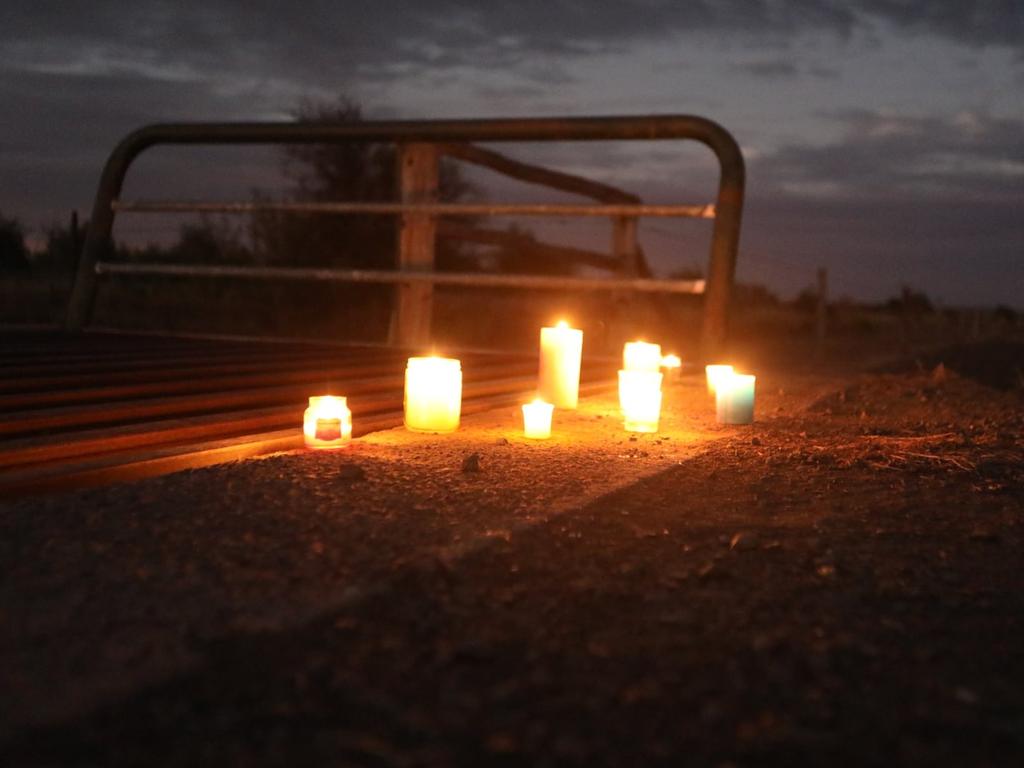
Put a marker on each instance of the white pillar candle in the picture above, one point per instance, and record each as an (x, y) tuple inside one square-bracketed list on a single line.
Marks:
[(537, 419), (671, 366), (561, 349), (640, 400), (714, 373), (641, 356), (734, 399), (433, 394), (327, 422)]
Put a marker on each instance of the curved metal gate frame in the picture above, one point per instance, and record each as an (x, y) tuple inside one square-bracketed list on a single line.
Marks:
[(419, 143)]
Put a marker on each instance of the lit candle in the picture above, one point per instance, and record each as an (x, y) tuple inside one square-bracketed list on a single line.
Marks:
[(714, 373), (641, 356), (671, 366), (640, 400), (433, 394), (327, 422), (537, 419), (561, 349), (734, 399)]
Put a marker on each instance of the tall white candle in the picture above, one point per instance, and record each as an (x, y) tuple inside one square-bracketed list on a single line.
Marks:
[(561, 350), (641, 356), (433, 394), (714, 374), (640, 400), (734, 399)]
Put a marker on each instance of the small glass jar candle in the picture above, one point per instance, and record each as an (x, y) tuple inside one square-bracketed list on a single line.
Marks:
[(537, 419), (641, 356), (433, 394), (558, 379), (671, 366), (714, 374), (327, 422), (640, 400), (734, 399)]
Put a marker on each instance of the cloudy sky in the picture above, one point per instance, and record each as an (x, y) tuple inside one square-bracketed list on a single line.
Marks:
[(884, 138)]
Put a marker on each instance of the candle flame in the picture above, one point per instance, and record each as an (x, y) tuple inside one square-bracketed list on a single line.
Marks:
[(671, 361), (562, 324)]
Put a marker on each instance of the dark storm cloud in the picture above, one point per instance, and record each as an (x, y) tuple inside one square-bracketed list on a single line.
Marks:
[(769, 68), (968, 156), (387, 37)]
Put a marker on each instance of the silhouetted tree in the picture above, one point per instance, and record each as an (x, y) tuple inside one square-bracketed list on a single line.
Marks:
[(353, 171), (910, 301), (13, 251)]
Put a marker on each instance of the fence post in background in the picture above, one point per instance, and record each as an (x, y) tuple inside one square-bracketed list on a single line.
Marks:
[(418, 182), (821, 311), (76, 243)]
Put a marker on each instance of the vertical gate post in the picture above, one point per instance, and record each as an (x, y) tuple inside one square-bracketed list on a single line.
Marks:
[(725, 241), (624, 246), (623, 303), (418, 181)]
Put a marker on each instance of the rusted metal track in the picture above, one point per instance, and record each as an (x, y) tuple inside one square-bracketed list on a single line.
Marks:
[(157, 405)]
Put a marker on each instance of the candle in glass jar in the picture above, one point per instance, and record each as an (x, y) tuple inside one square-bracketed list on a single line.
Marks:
[(734, 399), (714, 374), (640, 400), (537, 419), (327, 422), (641, 356), (433, 394), (561, 350), (671, 366)]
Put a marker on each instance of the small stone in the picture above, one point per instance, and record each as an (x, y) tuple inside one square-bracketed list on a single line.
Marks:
[(632, 438), (755, 441), (984, 534), (743, 541), (351, 472), (501, 743), (471, 463), (966, 696), (501, 441)]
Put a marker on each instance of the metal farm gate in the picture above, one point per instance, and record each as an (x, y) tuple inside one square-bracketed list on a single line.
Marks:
[(87, 409)]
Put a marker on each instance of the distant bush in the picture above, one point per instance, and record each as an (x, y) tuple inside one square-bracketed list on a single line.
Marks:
[(14, 255)]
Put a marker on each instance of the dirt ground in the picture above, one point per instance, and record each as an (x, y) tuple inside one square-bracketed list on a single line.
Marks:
[(839, 583)]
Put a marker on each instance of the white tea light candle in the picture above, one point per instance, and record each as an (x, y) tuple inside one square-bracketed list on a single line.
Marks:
[(537, 419), (671, 366), (640, 400), (714, 374), (641, 356), (327, 422), (561, 350), (433, 394), (734, 399)]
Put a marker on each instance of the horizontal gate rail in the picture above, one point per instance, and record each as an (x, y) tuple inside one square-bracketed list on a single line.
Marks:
[(436, 209), (475, 279)]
